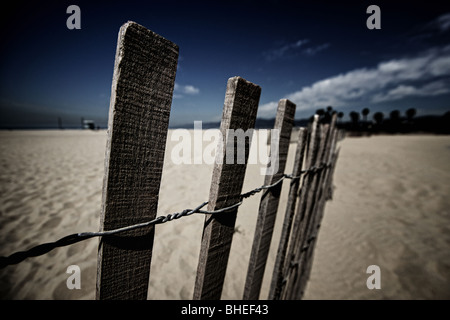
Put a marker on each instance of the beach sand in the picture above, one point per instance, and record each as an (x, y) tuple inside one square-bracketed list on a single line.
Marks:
[(391, 208)]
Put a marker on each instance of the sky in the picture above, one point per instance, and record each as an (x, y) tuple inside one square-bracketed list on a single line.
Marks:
[(315, 53)]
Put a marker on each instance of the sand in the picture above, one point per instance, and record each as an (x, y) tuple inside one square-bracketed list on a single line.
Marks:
[(390, 208)]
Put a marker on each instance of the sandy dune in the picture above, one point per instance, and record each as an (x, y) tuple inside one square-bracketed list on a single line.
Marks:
[(390, 208)]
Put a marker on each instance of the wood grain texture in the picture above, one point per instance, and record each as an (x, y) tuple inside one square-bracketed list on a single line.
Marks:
[(141, 97), (278, 270), (300, 217), (312, 213), (239, 112), (268, 206), (324, 185), (322, 178), (308, 216)]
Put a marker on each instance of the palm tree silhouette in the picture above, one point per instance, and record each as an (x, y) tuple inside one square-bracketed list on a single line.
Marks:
[(378, 117), (410, 113), (355, 118), (394, 121), (394, 115), (365, 112), (328, 114)]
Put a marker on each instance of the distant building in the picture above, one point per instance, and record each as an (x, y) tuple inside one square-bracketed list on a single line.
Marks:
[(89, 124)]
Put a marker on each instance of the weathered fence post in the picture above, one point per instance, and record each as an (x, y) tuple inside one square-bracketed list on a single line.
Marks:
[(324, 186), (278, 270), (299, 219), (239, 112), (141, 97), (308, 237), (268, 206), (306, 212), (333, 159), (327, 155)]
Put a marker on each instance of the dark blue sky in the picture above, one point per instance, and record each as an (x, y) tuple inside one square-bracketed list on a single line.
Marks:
[(315, 53)]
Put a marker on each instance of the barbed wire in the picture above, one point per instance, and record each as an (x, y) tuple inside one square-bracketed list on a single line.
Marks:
[(41, 249)]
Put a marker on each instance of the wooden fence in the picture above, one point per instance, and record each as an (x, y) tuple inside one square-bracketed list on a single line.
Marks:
[(142, 88)]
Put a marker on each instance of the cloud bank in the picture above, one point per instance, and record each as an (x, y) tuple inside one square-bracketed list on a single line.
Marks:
[(425, 74)]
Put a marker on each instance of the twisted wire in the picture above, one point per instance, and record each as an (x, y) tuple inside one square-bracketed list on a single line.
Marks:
[(41, 249)]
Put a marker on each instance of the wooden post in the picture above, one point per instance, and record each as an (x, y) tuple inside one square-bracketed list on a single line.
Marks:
[(268, 206), (333, 160), (300, 217), (311, 212), (239, 112), (315, 192), (141, 96), (318, 215), (327, 158), (308, 214), (278, 271)]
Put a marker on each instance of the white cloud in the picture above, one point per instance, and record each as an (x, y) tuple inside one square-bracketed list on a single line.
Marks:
[(268, 107), (421, 75), (313, 50), (402, 91), (191, 90), (294, 48), (282, 51), (442, 23), (186, 89)]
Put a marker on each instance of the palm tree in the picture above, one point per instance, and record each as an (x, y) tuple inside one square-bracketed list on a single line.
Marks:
[(394, 121), (365, 112), (322, 115), (330, 109), (320, 112), (355, 118), (394, 116), (378, 117), (410, 113), (328, 114)]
